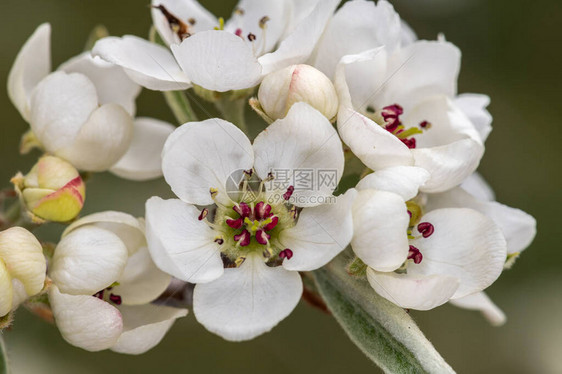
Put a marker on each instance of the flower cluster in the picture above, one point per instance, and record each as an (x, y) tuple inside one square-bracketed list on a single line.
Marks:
[(365, 149)]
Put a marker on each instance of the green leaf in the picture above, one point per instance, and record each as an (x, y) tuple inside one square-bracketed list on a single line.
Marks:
[(177, 100), (383, 331), (3, 358)]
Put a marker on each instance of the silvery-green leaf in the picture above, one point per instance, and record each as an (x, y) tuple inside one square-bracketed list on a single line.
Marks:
[(383, 331)]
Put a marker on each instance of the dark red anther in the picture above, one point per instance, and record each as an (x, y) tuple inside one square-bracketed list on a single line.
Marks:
[(238, 32), (243, 209), (235, 223), (243, 239), (409, 142), (286, 253), (99, 294), (415, 254), (287, 195), (219, 241), (262, 237), (394, 110), (262, 210), (425, 124), (115, 299), (203, 214), (410, 214), (426, 229), (271, 225), (251, 37)]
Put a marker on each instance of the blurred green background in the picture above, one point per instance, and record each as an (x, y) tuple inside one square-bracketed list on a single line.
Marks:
[(511, 51)]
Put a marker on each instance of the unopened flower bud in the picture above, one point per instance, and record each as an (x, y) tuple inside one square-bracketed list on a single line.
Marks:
[(281, 89), (22, 268), (53, 190)]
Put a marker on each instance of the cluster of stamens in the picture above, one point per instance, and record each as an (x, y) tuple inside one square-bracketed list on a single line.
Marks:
[(108, 296), (246, 226), (391, 116)]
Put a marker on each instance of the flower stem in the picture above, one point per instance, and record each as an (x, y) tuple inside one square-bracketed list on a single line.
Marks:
[(181, 107), (234, 111)]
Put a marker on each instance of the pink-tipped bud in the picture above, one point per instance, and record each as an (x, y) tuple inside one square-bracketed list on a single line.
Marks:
[(281, 89), (53, 190)]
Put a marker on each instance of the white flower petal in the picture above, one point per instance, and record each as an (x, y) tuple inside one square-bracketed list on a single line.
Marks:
[(465, 245), (102, 140), (113, 85), (85, 321), (150, 65), (408, 35), (248, 21), (481, 302), (143, 158), (518, 227), (402, 180), (474, 107), (88, 260), (320, 234), (303, 140), (299, 44), (373, 145), (179, 243), (477, 186), (128, 228), (380, 223), (60, 105), (199, 156), (218, 61), (413, 291), (418, 71), (6, 291), (247, 301), (141, 281), (356, 27), (32, 64), (145, 326), (184, 10), (22, 253), (451, 149)]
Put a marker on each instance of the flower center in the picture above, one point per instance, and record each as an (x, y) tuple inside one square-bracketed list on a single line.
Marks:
[(107, 296), (252, 224), (390, 117)]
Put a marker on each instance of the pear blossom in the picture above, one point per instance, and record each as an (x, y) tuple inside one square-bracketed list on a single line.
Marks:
[(420, 258), (261, 36), (518, 228), (53, 190), (244, 249), (22, 268), (103, 283), (84, 111), (405, 112)]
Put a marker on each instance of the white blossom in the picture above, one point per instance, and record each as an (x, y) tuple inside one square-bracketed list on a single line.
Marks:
[(84, 111), (421, 260), (217, 57), (103, 283), (22, 268), (245, 260)]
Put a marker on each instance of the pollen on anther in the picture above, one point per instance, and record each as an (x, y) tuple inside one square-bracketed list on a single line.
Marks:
[(251, 37)]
